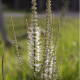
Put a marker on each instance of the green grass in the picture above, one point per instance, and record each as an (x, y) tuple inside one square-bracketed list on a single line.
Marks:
[(69, 40)]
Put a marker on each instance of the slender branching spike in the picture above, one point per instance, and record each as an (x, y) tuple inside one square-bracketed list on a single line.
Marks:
[(16, 47), (27, 26), (57, 33), (58, 70)]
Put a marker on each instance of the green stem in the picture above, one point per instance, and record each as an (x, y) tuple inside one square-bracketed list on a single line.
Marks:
[(3, 66)]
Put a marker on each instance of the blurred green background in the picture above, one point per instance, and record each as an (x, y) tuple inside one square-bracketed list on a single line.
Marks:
[(69, 40)]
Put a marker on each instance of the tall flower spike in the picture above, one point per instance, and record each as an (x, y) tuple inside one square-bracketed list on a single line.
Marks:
[(16, 47), (34, 48), (54, 72), (51, 49), (47, 41)]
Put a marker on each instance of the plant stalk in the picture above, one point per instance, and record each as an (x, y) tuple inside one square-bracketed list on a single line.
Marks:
[(3, 66)]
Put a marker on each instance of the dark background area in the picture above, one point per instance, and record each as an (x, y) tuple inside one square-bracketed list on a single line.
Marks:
[(73, 5)]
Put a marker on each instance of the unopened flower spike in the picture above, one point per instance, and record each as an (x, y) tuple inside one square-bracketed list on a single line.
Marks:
[(16, 47)]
